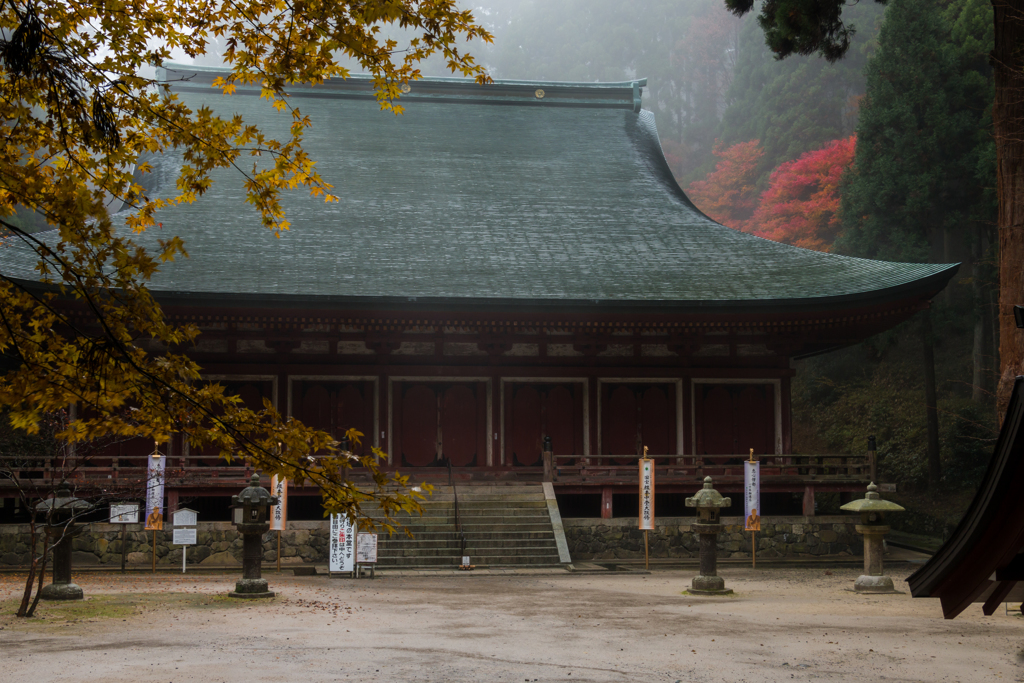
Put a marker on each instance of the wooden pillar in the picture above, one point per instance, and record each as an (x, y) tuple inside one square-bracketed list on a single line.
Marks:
[(172, 501), (606, 503), (808, 501)]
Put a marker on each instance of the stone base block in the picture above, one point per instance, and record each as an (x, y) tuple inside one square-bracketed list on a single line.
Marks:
[(874, 584), (61, 591), (251, 588), (252, 596), (708, 585)]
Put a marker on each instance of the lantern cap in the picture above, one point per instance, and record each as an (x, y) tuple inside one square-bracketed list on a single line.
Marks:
[(63, 501), (871, 502), (254, 494), (708, 497)]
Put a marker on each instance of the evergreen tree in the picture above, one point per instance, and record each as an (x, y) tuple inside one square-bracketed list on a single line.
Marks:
[(916, 173)]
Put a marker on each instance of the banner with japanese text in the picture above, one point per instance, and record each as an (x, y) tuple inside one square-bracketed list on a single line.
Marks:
[(155, 492), (752, 495), (279, 512), (646, 494), (343, 544)]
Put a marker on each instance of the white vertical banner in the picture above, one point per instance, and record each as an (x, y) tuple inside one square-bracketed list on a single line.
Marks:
[(155, 491), (343, 554), (647, 494), (752, 495), (279, 512)]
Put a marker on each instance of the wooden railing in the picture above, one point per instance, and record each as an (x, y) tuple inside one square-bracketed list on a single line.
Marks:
[(724, 468), (211, 471)]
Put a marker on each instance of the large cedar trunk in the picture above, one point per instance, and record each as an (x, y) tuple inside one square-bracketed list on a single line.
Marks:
[(1008, 118)]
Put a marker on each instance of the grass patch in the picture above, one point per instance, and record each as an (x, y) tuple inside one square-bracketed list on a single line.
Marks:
[(108, 607)]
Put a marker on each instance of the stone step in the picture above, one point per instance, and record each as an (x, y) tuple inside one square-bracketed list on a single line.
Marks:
[(475, 552)]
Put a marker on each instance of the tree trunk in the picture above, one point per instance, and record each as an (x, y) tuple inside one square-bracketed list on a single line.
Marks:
[(1008, 118), (934, 462), (979, 355)]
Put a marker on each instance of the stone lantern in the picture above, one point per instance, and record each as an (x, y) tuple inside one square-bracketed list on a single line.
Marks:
[(252, 508), (709, 504), (60, 514), (872, 525)]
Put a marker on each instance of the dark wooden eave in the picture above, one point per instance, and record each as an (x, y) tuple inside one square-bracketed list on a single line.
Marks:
[(983, 561)]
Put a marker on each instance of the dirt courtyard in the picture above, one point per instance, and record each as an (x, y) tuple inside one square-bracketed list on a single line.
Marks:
[(782, 624)]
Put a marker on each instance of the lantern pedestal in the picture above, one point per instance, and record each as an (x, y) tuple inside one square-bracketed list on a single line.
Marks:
[(873, 580), (708, 582), (62, 588)]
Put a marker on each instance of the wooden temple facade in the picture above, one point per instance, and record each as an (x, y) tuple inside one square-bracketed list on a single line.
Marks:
[(507, 263)]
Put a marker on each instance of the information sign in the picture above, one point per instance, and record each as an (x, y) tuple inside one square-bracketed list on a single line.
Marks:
[(124, 513), (366, 548), (184, 537), (184, 517), (646, 493), (343, 554)]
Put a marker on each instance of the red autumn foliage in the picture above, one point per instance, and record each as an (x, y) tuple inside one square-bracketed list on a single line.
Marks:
[(727, 195), (801, 204)]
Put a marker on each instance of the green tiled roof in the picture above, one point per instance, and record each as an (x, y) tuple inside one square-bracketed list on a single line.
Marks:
[(492, 195)]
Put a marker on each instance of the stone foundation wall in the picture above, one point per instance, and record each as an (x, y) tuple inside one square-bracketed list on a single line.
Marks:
[(609, 539), (217, 544)]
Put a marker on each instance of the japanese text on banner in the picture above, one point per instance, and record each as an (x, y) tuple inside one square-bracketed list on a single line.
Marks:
[(646, 494), (279, 512), (752, 495), (343, 553)]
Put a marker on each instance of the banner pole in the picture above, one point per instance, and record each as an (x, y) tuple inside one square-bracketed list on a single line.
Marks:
[(647, 557), (279, 550), (154, 551), (753, 548)]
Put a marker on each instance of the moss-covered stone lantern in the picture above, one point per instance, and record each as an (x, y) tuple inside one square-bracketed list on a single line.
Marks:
[(872, 525), (252, 508), (709, 504), (61, 514)]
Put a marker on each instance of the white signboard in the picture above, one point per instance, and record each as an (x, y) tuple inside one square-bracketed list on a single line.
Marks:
[(124, 513), (184, 517), (184, 537), (343, 545), (752, 495), (646, 494), (366, 548), (279, 512), (155, 492)]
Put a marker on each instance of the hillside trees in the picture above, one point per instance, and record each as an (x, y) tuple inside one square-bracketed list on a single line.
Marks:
[(817, 27), (728, 194), (76, 115), (797, 104), (801, 205)]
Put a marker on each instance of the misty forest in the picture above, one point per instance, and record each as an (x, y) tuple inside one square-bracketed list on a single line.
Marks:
[(887, 153)]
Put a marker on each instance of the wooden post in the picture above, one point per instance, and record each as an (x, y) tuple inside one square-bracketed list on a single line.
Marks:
[(154, 551), (647, 557), (124, 546), (279, 550), (753, 548)]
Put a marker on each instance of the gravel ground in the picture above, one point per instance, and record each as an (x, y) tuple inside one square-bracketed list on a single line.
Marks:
[(782, 624)]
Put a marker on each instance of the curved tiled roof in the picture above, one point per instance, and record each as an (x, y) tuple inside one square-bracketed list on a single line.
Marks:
[(488, 194)]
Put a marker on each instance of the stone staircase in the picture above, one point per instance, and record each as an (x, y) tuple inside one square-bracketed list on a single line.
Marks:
[(503, 525)]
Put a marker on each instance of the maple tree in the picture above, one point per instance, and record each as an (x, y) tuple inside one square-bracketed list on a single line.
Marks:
[(801, 205), (77, 112), (728, 194)]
